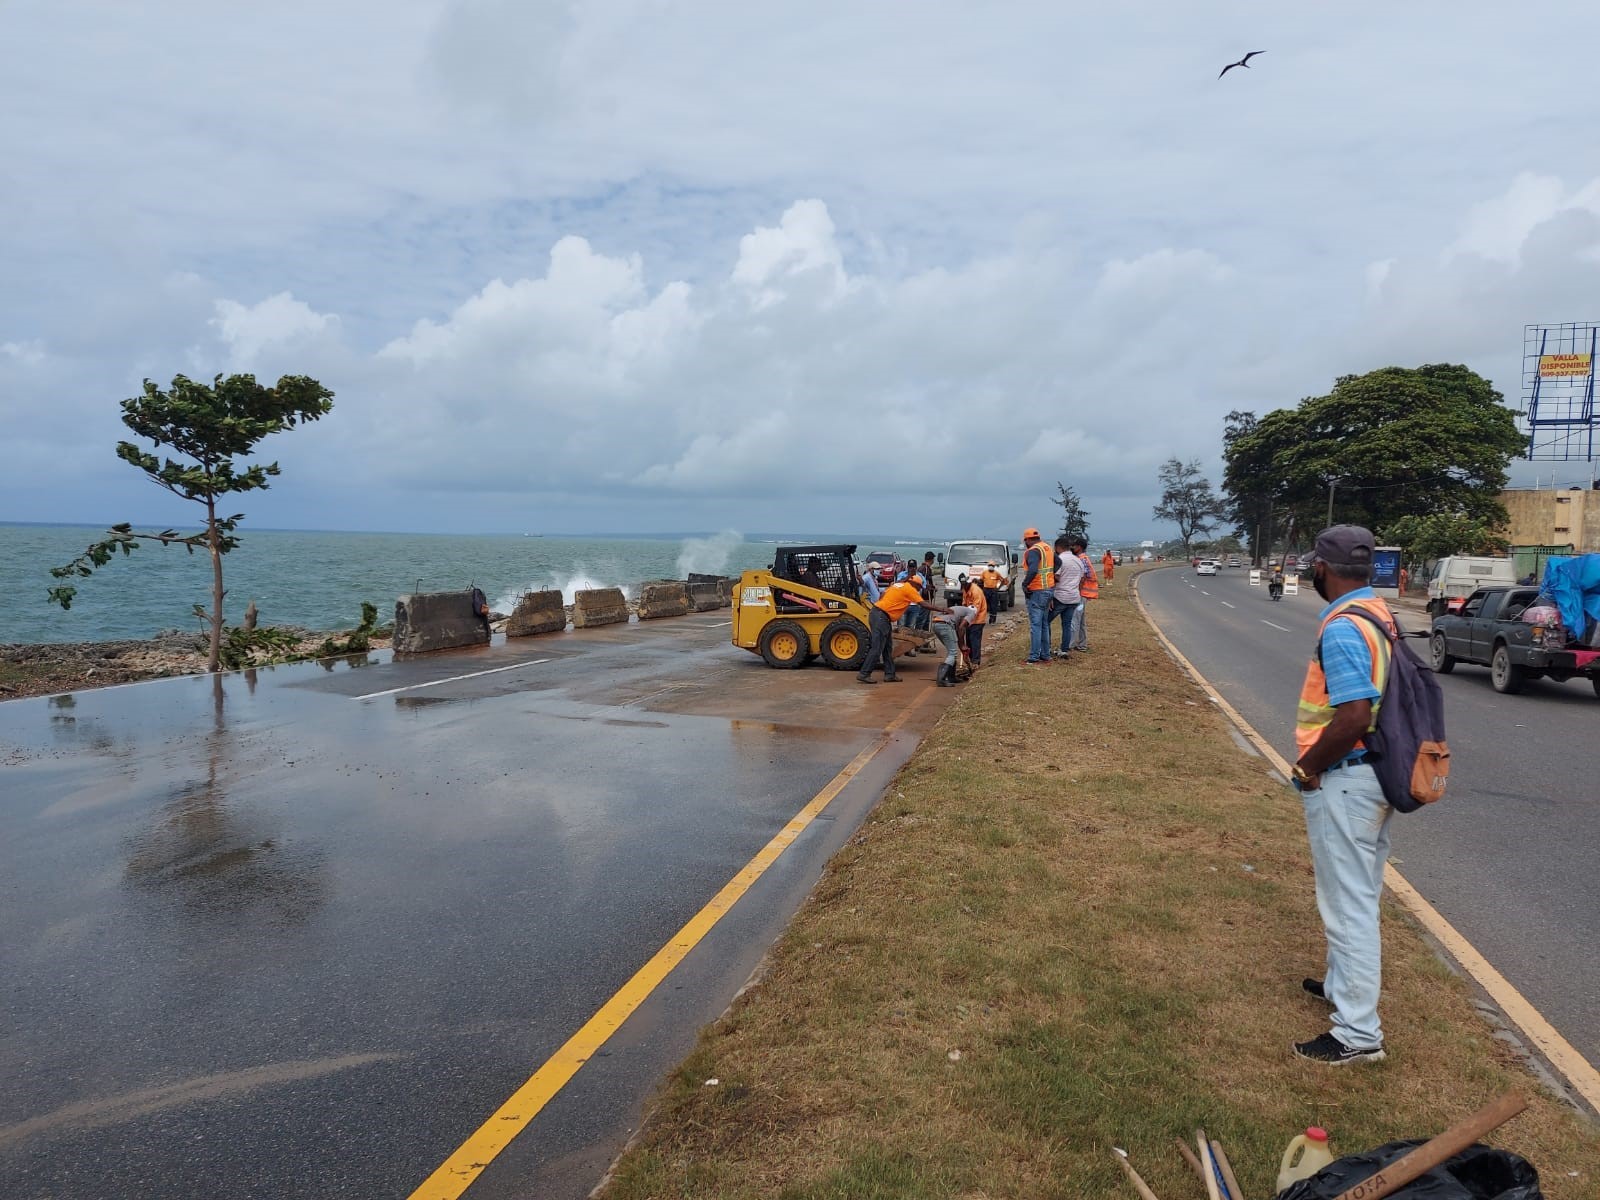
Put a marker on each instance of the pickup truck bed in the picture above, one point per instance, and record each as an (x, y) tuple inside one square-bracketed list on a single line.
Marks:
[(1489, 631)]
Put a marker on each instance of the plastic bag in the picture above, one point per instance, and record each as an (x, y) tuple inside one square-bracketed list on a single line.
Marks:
[(1478, 1173)]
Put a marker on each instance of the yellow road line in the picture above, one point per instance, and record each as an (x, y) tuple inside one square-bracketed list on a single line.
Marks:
[(1579, 1073), (457, 1172)]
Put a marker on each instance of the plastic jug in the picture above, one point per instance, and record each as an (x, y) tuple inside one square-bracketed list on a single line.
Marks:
[(1313, 1153)]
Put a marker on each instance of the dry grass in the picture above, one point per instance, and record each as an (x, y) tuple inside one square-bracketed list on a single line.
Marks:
[(1082, 886)]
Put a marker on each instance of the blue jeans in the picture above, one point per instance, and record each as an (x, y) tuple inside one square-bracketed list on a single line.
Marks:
[(1039, 625), (1063, 611), (1347, 824)]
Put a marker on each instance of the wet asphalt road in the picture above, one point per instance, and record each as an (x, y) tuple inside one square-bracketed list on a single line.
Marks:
[(1509, 856), (297, 933)]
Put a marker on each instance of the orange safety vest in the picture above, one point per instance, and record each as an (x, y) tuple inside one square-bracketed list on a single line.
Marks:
[(1109, 565), (974, 597), (1088, 586), (1046, 576), (991, 577), (1316, 710)]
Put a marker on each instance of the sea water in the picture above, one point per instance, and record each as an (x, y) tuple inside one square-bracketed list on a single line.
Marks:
[(318, 580)]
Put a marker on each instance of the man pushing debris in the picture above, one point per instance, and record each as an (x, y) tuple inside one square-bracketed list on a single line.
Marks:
[(1347, 818)]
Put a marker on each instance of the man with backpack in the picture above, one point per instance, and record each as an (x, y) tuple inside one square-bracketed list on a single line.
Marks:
[(1347, 815)]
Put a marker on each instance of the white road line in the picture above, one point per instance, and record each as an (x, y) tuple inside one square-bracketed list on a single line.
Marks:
[(1203, 592), (718, 625), (1264, 621), (1225, 604), (412, 687)]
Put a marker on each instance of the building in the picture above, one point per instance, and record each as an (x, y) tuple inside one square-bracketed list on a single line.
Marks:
[(1548, 517)]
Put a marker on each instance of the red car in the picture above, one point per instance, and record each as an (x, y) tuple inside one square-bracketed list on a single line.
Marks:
[(885, 565)]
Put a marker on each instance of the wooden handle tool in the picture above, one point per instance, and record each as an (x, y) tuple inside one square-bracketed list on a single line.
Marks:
[(1188, 1156), (1227, 1170), (1207, 1170), (1139, 1185), (1431, 1153)]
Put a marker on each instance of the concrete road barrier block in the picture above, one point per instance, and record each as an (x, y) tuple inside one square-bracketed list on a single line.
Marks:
[(705, 597), (599, 606), (725, 592), (663, 598), (537, 612), (425, 621)]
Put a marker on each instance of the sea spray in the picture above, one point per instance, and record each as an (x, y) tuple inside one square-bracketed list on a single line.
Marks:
[(577, 581), (708, 555)]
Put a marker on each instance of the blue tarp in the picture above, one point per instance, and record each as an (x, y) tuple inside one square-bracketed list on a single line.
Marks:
[(1574, 584)]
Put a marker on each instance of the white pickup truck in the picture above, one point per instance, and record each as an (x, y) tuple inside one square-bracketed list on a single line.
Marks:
[(971, 557)]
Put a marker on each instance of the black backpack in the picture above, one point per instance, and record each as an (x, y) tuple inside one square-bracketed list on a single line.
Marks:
[(1407, 748)]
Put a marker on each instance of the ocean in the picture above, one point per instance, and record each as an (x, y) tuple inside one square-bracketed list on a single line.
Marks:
[(318, 580)]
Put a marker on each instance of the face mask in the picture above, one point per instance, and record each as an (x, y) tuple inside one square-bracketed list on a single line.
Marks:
[(1319, 581)]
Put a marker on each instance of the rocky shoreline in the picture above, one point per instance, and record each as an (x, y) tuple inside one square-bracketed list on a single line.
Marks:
[(48, 668)]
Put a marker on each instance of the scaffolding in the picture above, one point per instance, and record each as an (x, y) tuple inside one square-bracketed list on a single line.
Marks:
[(1558, 365)]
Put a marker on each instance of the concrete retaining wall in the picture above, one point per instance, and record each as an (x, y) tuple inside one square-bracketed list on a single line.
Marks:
[(537, 612), (663, 598), (600, 606), (426, 621)]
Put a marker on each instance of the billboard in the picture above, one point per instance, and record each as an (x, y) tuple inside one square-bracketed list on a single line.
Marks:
[(1558, 412), (1386, 571), (1563, 366)]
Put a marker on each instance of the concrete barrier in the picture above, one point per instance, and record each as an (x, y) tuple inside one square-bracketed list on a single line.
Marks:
[(663, 598), (425, 621), (725, 592), (537, 612), (599, 606), (705, 597)]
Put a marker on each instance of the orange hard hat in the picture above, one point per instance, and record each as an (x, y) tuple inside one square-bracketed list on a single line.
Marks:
[(1029, 533)]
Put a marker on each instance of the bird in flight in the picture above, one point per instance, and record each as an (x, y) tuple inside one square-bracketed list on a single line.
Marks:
[(1243, 62)]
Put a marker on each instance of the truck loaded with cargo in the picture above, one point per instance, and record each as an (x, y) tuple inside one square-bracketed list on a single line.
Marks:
[(1521, 633)]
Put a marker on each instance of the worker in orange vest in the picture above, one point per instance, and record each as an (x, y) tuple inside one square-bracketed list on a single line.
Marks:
[(990, 581), (881, 617), (1108, 565), (973, 596), (1038, 581)]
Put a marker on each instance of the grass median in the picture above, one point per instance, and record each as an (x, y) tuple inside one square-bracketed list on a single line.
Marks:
[(1078, 919)]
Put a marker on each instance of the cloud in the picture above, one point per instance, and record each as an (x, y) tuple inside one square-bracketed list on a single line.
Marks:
[(638, 267), (277, 321)]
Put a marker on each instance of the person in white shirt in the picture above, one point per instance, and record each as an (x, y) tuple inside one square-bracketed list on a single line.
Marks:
[(1065, 597)]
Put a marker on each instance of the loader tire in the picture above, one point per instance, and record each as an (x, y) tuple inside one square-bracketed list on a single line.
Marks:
[(844, 644), (785, 644)]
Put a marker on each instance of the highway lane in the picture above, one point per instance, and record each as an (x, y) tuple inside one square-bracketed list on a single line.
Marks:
[(1509, 857), (299, 932)]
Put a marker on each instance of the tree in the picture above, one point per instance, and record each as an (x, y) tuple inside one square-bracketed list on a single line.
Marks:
[(208, 427), (1074, 520), (1436, 535), (1246, 485), (1187, 501), (1395, 442)]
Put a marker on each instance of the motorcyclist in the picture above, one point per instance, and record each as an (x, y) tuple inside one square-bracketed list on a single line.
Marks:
[(1275, 584)]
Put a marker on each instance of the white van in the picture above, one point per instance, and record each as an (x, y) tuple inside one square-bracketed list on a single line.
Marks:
[(1458, 576), (969, 557)]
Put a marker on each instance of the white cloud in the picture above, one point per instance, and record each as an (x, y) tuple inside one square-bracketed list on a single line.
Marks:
[(641, 264), (279, 320)]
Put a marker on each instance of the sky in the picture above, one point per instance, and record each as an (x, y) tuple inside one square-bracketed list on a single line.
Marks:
[(636, 266)]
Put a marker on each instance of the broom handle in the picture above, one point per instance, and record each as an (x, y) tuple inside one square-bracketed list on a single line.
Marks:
[(1431, 1153)]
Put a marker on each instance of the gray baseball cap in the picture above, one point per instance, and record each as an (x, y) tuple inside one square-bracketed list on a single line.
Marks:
[(1345, 546)]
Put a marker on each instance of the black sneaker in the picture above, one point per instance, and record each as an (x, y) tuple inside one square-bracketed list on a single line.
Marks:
[(1314, 986), (865, 679), (1330, 1050)]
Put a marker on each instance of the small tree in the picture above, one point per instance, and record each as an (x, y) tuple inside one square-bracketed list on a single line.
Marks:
[(1074, 520), (1438, 535), (1187, 501), (208, 426)]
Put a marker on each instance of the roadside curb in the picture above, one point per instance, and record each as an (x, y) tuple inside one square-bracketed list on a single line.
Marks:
[(1572, 1068)]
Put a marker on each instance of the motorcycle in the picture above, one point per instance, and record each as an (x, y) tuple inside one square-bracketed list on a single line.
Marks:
[(1275, 589)]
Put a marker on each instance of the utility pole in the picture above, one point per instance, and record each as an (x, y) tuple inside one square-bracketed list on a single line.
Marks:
[(1331, 484)]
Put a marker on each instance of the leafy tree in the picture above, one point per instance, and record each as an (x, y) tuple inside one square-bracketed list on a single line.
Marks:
[(1075, 521), (208, 427), (1187, 501), (1394, 442), (1436, 535), (1246, 485)]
